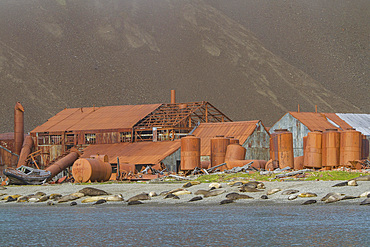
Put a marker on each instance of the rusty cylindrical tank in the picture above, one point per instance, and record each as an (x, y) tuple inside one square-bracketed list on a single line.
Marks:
[(218, 150), (63, 163), (350, 145), (313, 152), (304, 143), (282, 141), (272, 165), (235, 152), (365, 148), (84, 170), (330, 148), (190, 153), (298, 163), (26, 150), (18, 127)]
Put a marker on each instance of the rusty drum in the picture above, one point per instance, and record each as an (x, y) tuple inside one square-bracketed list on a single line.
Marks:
[(235, 152), (282, 142), (330, 148), (313, 150), (350, 145), (190, 152), (365, 148), (84, 170), (218, 149)]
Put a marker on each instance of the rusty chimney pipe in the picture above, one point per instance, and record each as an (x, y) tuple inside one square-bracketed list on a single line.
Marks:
[(18, 127), (63, 163), (173, 96), (315, 108), (26, 150)]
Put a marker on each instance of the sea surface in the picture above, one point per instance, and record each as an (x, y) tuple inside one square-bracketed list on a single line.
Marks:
[(189, 225)]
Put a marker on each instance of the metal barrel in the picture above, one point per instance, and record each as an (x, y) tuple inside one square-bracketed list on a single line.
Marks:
[(350, 145), (26, 150), (94, 170), (282, 142), (235, 152), (313, 150), (190, 153), (330, 148), (18, 127), (218, 150)]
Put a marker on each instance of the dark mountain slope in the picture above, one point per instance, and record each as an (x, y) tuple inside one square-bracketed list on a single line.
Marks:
[(57, 54)]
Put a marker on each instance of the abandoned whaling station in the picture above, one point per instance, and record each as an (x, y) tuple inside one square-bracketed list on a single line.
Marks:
[(143, 142)]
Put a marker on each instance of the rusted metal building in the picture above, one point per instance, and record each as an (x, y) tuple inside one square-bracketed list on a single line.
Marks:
[(166, 153), (82, 127), (251, 134), (301, 123), (7, 156)]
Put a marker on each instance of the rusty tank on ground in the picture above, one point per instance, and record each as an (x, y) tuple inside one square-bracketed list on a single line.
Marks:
[(235, 152), (26, 150), (94, 170), (282, 148), (313, 150), (330, 148), (18, 127), (350, 145), (218, 150), (190, 153), (63, 163)]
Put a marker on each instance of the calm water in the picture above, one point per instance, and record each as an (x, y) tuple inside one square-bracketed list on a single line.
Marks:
[(217, 225)]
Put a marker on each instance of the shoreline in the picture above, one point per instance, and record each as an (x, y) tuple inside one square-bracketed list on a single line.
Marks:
[(127, 190)]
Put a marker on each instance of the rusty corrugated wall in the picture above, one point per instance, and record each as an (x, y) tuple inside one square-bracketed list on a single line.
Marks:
[(258, 144)]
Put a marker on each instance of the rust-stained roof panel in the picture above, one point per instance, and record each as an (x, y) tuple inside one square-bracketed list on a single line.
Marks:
[(240, 130), (337, 121), (134, 153), (313, 121), (97, 118)]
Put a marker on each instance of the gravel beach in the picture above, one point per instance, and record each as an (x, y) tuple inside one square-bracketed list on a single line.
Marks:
[(127, 190)]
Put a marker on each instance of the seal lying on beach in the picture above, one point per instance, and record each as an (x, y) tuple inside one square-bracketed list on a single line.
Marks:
[(201, 192), (101, 201), (89, 191), (134, 203), (67, 198), (309, 202), (273, 191), (307, 194), (215, 192), (237, 196), (197, 198), (173, 196), (249, 189), (362, 178), (226, 201), (182, 192), (191, 183), (289, 192), (332, 197), (139, 197), (215, 185)]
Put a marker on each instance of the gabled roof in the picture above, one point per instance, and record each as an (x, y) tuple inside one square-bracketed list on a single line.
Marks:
[(134, 153), (335, 120), (97, 118), (240, 130), (313, 121)]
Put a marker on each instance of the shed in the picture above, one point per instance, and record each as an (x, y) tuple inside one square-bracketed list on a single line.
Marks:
[(300, 123), (139, 153), (251, 134)]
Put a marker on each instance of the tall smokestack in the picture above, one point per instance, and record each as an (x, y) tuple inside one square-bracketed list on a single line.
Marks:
[(173, 96), (18, 127)]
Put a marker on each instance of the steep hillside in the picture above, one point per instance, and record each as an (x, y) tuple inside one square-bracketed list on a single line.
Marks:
[(57, 54)]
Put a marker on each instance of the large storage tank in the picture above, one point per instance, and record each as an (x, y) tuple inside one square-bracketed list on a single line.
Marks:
[(350, 145), (282, 145), (190, 153), (313, 150), (365, 148), (330, 148), (218, 149), (84, 170), (235, 152)]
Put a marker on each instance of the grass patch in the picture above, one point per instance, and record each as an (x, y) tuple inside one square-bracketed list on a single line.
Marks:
[(332, 175)]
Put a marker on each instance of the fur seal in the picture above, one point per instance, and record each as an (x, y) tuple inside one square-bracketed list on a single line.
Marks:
[(332, 197), (215, 185), (237, 183), (44, 198), (152, 194), (226, 201), (249, 189), (264, 197), (191, 183), (255, 184), (365, 194), (23, 199), (340, 184), (66, 198), (173, 196), (307, 194), (134, 203), (289, 192), (237, 196), (114, 198), (93, 199), (89, 191), (273, 191), (172, 191), (352, 183), (73, 204), (101, 201), (55, 196), (142, 196), (365, 202), (78, 194), (197, 198), (349, 197), (292, 197), (33, 199), (40, 194), (182, 192), (201, 192), (215, 192), (309, 202)]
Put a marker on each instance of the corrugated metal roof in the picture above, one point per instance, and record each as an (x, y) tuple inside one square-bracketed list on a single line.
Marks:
[(97, 118), (239, 130), (134, 153), (313, 121), (337, 121), (361, 122)]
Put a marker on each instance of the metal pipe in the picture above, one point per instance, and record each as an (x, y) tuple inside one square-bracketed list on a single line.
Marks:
[(173, 96), (26, 150), (63, 163), (18, 127)]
